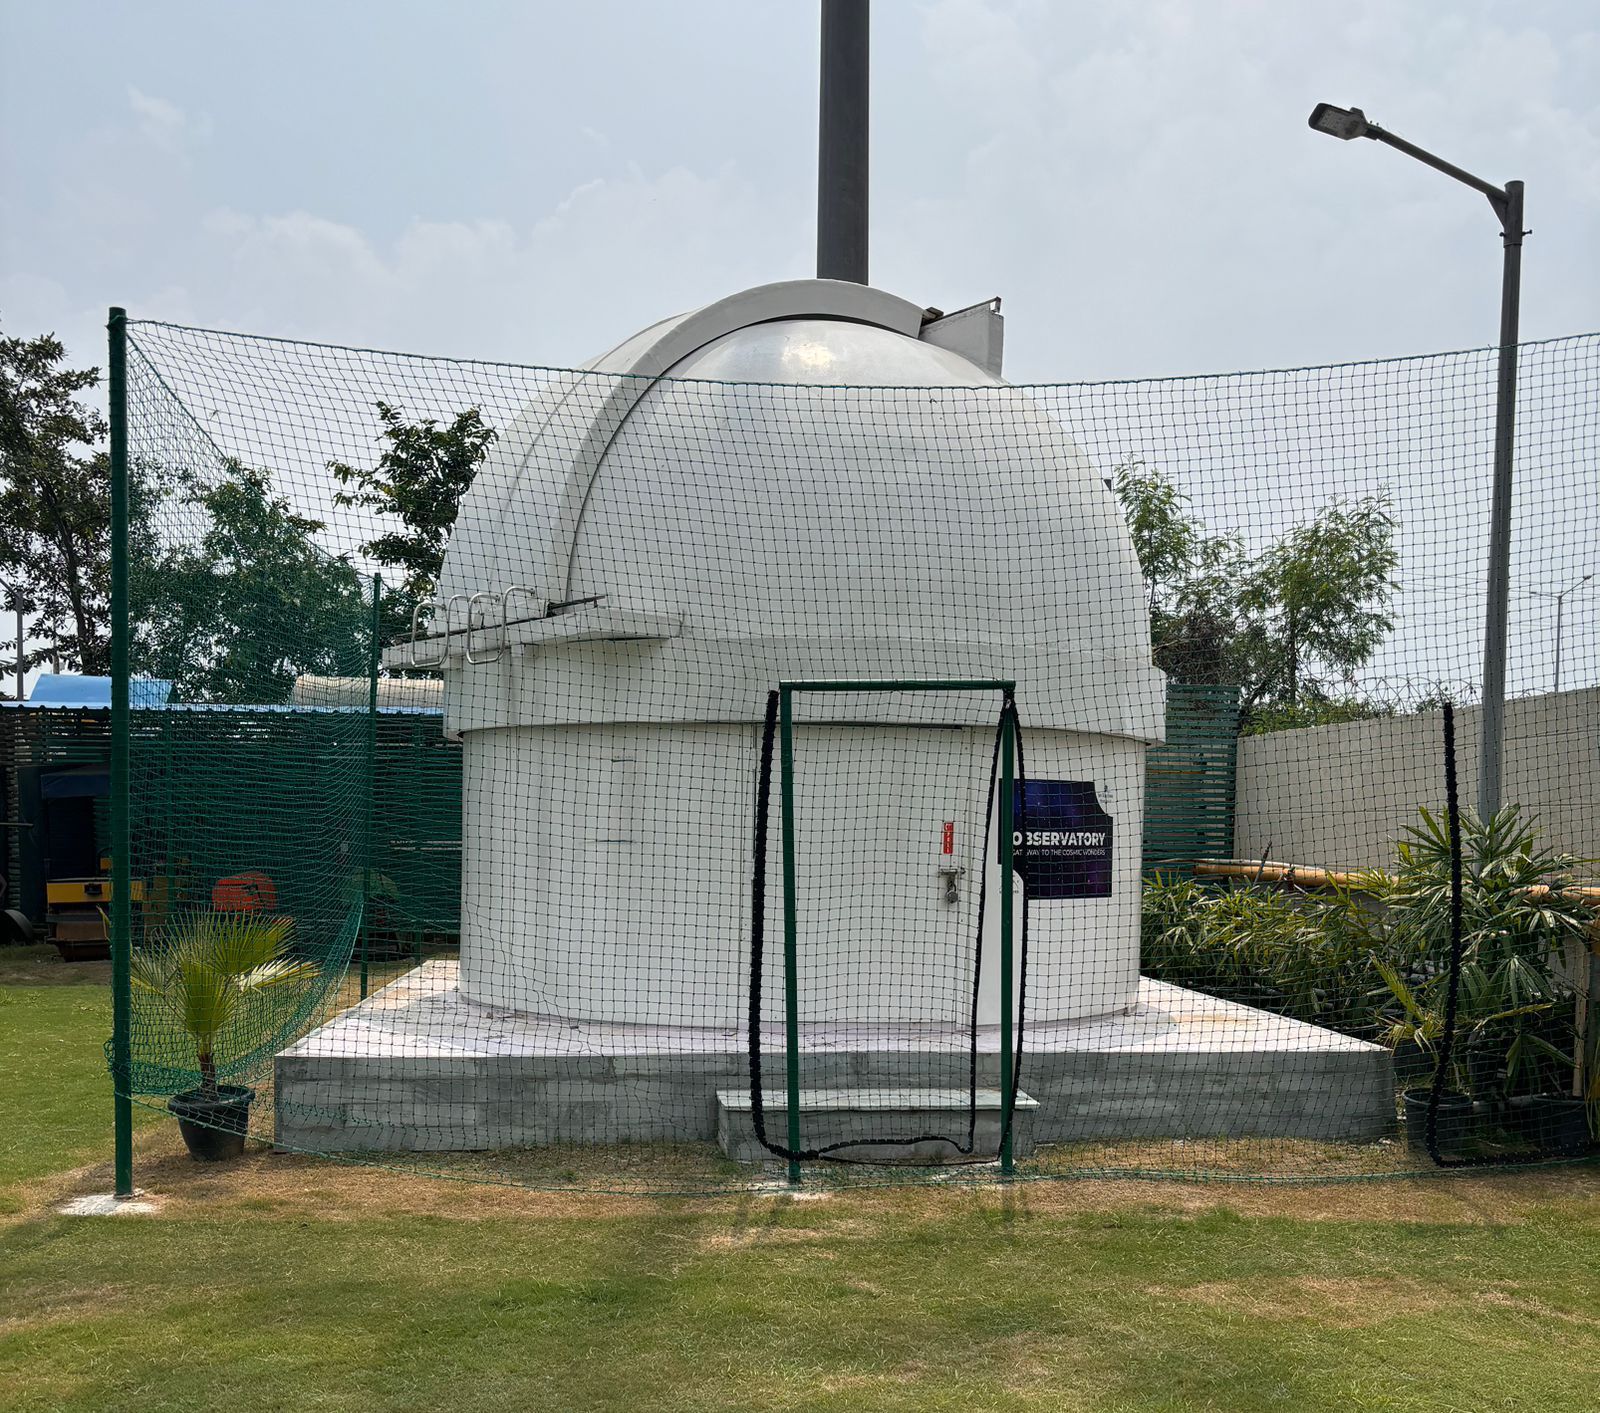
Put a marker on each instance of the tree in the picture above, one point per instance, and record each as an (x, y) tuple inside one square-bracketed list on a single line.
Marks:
[(1191, 578), (244, 603), (1320, 596), (419, 479), (1289, 627), (55, 501)]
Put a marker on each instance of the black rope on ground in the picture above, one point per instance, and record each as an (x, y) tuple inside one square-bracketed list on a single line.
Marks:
[(977, 961), (1020, 825), (834, 1152), (758, 913), (1453, 987), (1452, 997)]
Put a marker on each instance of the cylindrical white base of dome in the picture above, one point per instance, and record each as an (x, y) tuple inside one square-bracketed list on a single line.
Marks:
[(607, 869)]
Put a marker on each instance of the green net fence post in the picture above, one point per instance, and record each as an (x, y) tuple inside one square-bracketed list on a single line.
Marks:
[(374, 657), (791, 989), (1008, 746), (121, 903)]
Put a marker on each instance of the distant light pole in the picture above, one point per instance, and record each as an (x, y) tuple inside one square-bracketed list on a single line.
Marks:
[(16, 603), (1560, 596), (1347, 123)]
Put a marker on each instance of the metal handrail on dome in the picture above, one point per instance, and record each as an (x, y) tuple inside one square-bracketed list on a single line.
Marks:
[(540, 608), (449, 617), (500, 647), (444, 652)]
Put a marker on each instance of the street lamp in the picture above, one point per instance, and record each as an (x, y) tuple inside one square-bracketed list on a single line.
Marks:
[(1560, 596), (22, 657), (1348, 123)]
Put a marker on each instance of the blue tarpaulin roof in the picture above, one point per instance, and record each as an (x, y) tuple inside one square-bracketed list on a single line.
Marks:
[(70, 689), (67, 691)]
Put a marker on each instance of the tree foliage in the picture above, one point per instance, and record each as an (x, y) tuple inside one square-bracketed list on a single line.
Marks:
[(1291, 625), (55, 501), (419, 479), (1319, 597), (238, 608)]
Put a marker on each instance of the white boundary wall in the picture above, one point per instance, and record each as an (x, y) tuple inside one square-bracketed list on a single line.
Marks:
[(1341, 796)]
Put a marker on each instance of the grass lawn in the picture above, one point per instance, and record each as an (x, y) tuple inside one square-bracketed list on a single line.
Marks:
[(290, 1283), (55, 1101)]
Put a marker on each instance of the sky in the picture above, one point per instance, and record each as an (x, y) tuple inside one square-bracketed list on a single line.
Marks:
[(534, 181)]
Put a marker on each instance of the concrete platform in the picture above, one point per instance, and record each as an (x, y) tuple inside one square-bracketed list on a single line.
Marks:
[(416, 1067), (858, 1116)]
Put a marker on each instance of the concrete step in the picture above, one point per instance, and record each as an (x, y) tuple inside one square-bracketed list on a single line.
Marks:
[(859, 1116)]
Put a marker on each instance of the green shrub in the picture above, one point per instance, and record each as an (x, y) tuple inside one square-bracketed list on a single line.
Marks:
[(1305, 955), (1373, 960), (1522, 933)]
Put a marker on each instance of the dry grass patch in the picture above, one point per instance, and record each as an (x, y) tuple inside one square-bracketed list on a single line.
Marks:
[(293, 1186), (1337, 1302), (41, 1306)]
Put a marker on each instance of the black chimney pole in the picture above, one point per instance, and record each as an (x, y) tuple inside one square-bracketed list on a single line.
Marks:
[(842, 142)]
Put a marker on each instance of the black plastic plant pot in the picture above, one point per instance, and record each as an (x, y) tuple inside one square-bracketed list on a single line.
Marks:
[(1561, 1125), (1457, 1122), (1485, 1065), (1522, 1117), (213, 1126), (1412, 1063)]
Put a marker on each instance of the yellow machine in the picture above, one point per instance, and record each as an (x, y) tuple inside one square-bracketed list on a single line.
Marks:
[(78, 916)]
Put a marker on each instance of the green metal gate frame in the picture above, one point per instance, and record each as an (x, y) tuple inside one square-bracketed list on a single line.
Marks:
[(1007, 811)]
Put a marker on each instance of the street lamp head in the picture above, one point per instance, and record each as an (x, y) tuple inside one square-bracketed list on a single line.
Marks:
[(1343, 123)]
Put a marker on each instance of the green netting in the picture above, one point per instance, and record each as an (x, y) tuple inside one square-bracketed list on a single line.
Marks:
[(417, 834), (417, 794), (492, 844)]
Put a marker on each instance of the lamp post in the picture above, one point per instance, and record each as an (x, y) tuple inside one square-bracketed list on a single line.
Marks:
[(1348, 123), (1560, 596)]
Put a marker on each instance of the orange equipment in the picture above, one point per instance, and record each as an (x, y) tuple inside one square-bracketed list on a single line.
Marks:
[(249, 892)]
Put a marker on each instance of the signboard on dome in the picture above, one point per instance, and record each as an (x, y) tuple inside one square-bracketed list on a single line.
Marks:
[(1062, 840)]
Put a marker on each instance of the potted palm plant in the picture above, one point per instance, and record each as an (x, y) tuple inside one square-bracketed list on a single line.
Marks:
[(1522, 929), (203, 977), (1411, 1023)]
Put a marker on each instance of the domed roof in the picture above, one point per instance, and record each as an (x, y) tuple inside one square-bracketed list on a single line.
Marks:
[(800, 483), (829, 352)]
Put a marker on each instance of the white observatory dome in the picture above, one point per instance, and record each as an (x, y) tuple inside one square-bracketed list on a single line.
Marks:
[(807, 480)]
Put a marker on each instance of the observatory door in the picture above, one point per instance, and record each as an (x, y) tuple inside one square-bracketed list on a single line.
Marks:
[(889, 837)]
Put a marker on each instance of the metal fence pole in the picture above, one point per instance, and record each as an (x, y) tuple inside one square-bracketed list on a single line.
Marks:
[(121, 863), (791, 989), (374, 656), (1007, 823)]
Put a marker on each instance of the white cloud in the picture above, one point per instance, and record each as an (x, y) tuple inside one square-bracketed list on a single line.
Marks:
[(1137, 180), (160, 122), (611, 255), (1140, 183)]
